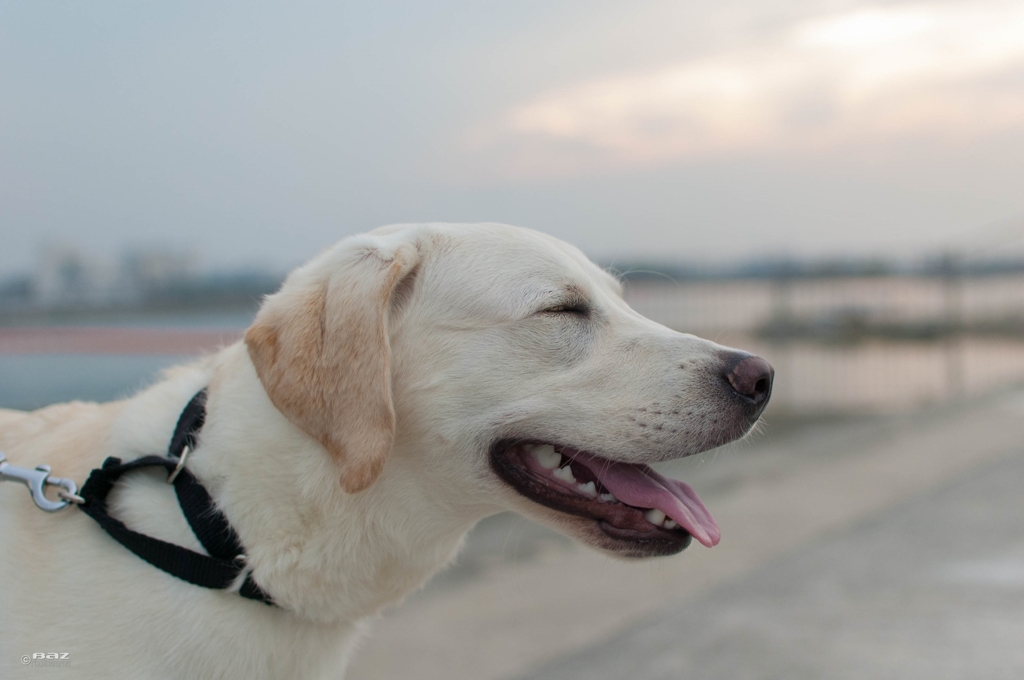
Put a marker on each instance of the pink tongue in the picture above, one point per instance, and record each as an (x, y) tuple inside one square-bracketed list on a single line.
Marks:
[(642, 487)]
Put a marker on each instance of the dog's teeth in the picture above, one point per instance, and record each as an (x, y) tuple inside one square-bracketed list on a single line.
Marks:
[(655, 516), (588, 489), (545, 455), (607, 498), (565, 474), (670, 524)]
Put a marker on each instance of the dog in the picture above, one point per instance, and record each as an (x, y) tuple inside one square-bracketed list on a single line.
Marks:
[(398, 388)]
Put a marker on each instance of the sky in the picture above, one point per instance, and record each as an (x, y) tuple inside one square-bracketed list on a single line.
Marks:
[(255, 133)]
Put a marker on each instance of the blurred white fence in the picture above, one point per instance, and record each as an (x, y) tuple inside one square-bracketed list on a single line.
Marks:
[(862, 344)]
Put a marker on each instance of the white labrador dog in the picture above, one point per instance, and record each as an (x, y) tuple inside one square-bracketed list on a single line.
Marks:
[(401, 386)]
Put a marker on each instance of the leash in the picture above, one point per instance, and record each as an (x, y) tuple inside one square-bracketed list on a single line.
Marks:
[(224, 568)]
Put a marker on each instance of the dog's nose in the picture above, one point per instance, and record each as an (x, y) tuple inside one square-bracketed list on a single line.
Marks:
[(750, 377)]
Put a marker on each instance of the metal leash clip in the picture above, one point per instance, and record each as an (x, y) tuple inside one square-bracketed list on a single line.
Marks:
[(181, 463), (38, 478)]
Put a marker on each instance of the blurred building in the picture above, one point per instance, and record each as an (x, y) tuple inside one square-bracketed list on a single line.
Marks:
[(66, 277), (67, 280), (155, 270)]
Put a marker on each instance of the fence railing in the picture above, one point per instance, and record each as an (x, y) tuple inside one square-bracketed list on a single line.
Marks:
[(859, 343)]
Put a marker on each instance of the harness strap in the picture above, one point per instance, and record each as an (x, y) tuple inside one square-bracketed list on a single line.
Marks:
[(220, 569)]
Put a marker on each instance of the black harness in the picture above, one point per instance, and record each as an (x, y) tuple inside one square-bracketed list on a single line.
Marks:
[(226, 562)]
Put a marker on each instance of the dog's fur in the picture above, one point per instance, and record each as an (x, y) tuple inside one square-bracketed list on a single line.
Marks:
[(347, 442)]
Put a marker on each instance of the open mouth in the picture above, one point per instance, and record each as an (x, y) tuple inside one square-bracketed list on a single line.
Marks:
[(630, 502)]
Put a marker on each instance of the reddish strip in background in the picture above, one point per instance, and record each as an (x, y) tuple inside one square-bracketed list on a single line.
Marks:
[(93, 340)]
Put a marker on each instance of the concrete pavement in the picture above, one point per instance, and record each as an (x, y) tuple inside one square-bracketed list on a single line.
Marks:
[(932, 589), (523, 602)]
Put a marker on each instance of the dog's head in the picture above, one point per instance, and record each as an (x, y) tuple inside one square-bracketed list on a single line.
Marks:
[(502, 368)]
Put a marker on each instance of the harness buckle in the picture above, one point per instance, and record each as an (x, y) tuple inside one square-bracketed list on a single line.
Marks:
[(36, 480)]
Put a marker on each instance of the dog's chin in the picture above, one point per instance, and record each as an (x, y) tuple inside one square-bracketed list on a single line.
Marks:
[(593, 516), (609, 539)]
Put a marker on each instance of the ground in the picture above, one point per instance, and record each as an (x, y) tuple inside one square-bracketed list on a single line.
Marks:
[(867, 547)]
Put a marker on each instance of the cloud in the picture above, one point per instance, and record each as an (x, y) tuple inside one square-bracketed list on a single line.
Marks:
[(947, 72)]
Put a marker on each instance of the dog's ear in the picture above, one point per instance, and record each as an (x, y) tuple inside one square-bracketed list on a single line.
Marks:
[(320, 347)]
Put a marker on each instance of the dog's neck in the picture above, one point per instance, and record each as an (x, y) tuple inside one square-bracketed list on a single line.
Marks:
[(325, 555)]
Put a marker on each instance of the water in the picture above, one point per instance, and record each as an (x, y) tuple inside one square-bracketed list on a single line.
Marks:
[(870, 376), (28, 381)]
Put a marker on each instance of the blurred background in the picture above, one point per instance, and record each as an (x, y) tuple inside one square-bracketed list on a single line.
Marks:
[(835, 185)]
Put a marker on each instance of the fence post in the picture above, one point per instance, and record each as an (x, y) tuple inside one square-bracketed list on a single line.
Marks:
[(953, 323), (782, 346)]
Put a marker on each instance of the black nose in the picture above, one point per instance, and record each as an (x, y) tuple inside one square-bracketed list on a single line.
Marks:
[(750, 377)]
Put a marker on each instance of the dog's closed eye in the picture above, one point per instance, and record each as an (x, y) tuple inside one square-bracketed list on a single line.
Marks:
[(571, 301), (576, 307)]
